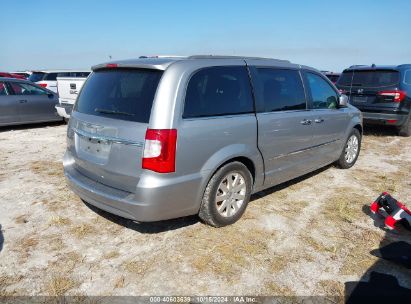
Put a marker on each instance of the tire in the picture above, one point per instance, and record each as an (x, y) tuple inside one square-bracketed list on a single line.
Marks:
[(405, 129), (65, 120), (349, 155), (226, 212)]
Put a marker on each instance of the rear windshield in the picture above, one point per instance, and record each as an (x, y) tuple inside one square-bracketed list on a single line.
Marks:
[(36, 76), (370, 79), (125, 94)]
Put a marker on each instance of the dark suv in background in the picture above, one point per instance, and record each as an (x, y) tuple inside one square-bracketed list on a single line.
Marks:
[(382, 93)]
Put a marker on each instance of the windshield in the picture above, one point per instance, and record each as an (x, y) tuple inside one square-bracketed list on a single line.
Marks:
[(369, 79), (36, 76), (125, 94)]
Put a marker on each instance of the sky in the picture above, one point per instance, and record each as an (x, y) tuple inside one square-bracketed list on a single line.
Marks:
[(327, 35)]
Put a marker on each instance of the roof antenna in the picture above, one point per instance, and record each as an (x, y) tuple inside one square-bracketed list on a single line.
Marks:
[(373, 65)]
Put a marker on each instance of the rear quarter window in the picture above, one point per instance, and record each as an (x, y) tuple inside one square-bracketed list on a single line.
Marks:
[(407, 77), (217, 91), (125, 94)]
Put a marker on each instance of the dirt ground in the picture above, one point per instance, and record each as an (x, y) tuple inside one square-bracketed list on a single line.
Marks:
[(307, 237)]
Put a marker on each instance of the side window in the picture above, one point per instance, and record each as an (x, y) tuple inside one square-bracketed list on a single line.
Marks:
[(323, 96), (282, 90), (3, 89), (218, 91), (26, 89), (407, 77)]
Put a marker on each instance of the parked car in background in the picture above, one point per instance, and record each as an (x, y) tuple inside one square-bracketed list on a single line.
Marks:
[(69, 85), (333, 77), (48, 78), (25, 74), (10, 75), (382, 93), (23, 102), (159, 138)]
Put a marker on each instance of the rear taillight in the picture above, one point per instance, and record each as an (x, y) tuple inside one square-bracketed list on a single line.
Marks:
[(397, 95), (43, 85), (160, 150)]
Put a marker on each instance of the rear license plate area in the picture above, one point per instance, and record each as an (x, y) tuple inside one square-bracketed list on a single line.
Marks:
[(94, 147), (359, 99)]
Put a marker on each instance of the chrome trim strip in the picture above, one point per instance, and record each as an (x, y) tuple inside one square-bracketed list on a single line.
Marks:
[(105, 138), (303, 150)]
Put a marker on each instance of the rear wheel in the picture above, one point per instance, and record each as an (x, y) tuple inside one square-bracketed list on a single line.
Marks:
[(351, 150), (227, 195), (405, 129)]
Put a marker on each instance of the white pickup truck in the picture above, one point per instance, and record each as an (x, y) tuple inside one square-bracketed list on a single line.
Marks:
[(69, 86)]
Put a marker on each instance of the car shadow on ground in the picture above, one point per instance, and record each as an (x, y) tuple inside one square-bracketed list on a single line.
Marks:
[(31, 126), (1, 239), (289, 183), (377, 130), (381, 283), (149, 227)]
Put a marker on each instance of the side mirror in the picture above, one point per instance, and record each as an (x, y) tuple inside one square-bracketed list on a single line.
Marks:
[(343, 100), (50, 95)]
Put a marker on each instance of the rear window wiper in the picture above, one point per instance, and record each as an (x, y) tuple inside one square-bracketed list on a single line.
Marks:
[(105, 111)]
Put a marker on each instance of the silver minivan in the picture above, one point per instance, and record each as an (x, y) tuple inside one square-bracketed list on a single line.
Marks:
[(158, 138)]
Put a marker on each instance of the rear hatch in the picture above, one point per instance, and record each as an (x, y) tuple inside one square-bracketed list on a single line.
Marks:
[(108, 125), (69, 88), (370, 90)]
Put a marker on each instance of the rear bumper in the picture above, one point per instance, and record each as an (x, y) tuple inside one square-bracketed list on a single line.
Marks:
[(64, 110), (153, 200), (384, 118)]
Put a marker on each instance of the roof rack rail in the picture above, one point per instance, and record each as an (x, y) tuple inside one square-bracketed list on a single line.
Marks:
[(232, 57), (161, 56), (357, 65)]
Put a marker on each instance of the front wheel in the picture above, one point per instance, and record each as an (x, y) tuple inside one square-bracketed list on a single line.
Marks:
[(227, 195), (351, 150)]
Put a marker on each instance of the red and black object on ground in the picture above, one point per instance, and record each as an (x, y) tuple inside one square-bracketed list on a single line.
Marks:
[(396, 212)]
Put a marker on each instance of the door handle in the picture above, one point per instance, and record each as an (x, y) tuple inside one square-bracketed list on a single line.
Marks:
[(319, 120), (23, 101), (305, 122)]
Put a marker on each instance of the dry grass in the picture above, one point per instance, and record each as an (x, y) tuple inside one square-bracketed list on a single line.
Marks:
[(83, 230), (331, 288), (139, 267), (59, 285), (55, 242), (66, 263), (358, 258), (111, 255), (47, 168), (59, 221), (25, 246), (228, 252), (6, 281), (274, 289), (21, 219), (120, 282), (345, 206)]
